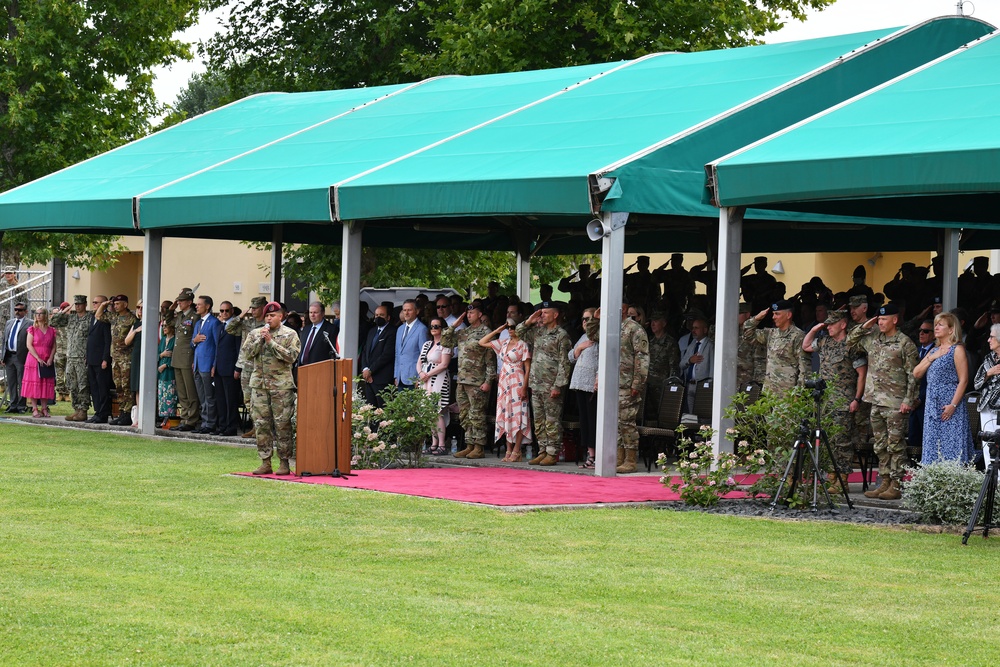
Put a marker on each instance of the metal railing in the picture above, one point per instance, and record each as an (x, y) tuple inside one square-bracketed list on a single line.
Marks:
[(34, 289)]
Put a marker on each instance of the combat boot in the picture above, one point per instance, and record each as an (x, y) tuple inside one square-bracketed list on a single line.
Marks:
[(893, 492), (621, 456), (283, 468), (465, 452), (538, 459), (875, 493), (252, 433), (549, 460), (833, 486), (476, 453), (77, 416), (628, 465), (265, 467)]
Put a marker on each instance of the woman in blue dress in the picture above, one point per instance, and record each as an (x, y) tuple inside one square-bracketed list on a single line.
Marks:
[(946, 424)]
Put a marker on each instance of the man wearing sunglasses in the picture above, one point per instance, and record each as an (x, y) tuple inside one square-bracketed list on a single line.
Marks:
[(925, 343), (15, 330)]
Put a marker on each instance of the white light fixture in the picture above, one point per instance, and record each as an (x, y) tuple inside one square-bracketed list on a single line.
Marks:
[(76, 274), (778, 267), (874, 258)]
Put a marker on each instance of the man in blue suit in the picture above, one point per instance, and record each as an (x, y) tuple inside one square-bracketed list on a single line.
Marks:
[(410, 337), (204, 341), (228, 394)]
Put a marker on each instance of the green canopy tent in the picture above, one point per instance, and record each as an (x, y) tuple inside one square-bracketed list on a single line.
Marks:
[(496, 161)]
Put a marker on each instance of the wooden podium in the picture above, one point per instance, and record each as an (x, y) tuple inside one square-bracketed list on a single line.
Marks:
[(324, 412)]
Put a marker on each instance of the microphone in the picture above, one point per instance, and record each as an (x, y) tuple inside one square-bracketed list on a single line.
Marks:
[(333, 348)]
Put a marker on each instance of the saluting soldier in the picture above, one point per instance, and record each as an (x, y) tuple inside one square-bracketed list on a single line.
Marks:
[(477, 370), (184, 317), (845, 373), (633, 369), (74, 323), (60, 362), (751, 356), (549, 377), (787, 364), (891, 389), (273, 350), (116, 313), (252, 318)]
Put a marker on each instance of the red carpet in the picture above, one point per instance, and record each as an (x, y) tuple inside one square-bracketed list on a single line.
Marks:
[(502, 486)]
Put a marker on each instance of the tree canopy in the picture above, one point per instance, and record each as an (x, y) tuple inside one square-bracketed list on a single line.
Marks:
[(77, 81)]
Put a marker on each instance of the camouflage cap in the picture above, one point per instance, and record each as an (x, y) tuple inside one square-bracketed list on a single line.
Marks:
[(258, 302), (857, 300), (79, 299), (9, 269), (187, 294), (658, 315), (835, 316)]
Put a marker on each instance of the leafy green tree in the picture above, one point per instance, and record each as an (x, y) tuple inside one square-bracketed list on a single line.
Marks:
[(77, 81)]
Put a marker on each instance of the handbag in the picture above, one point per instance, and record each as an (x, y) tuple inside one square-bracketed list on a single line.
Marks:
[(45, 372)]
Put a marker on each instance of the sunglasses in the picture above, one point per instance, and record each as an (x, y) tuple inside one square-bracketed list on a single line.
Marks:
[(926, 331), (511, 328), (225, 310), (435, 326), (19, 310), (97, 302), (586, 319), (444, 306)]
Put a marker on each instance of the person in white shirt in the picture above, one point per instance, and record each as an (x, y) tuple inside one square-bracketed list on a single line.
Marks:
[(697, 359)]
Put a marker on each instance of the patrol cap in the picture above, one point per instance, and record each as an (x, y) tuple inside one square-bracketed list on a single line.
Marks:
[(9, 269), (272, 307), (760, 258), (857, 300), (835, 316), (694, 314), (783, 304), (889, 309), (258, 302), (677, 255), (79, 299), (907, 266), (187, 294), (658, 315)]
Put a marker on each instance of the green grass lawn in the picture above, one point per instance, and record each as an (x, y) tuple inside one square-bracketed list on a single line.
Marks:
[(124, 550)]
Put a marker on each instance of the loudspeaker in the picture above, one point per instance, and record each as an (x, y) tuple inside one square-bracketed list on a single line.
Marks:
[(596, 230)]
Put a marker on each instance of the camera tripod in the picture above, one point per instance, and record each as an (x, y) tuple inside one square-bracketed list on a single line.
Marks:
[(987, 492), (808, 444)]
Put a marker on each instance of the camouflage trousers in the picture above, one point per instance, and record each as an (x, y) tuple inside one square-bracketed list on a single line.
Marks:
[(273, 411), (245, 378), (889, 428), (628, 410), (77, 383), (862, 420), (121, 373), (472, 413), (61, 388), (548, 421), (842, 444)]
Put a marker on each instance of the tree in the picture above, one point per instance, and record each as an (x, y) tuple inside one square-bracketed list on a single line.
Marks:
[(76, 82)]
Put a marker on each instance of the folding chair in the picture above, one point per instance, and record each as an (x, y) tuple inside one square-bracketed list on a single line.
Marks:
[(668, 416)]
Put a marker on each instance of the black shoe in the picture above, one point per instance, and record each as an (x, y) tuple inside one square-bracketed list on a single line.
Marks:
[(230, 433), (204, 430), (91, 419), (183, 427), (11, 410), (122, 420), (98, 420)]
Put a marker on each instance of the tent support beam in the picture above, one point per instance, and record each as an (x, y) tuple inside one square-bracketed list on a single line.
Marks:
[(277, 235), (612, 264), (949, 267), (727, 332), (350, 287), (152, 259), (523, 260)]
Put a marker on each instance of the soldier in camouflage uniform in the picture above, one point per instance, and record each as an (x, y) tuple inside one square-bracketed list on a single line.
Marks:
[(62, 393), (548, 379), (252, 318), (74, 323), (633, 369), (184, 316), (858, 310), (664, 360), (273, 350), (787, 365), (116, 313), (891, 389), (477, 370), (845, 375), (751, 356)]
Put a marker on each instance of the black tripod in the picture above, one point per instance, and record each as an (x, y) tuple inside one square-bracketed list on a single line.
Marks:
[(809, 440), (988, 490)]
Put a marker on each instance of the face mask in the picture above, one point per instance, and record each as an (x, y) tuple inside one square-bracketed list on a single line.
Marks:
[(380, 322)]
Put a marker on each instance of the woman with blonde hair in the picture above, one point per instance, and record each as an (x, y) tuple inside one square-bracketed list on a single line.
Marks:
[(39, 383), (946, 423)]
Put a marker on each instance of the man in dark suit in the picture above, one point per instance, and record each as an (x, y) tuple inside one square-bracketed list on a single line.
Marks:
[(99, 366), (378, 355), (312, 342), (13, 362), (228, 395)]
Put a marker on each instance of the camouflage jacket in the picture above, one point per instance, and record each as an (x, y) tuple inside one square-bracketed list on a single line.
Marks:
[(839, 367), (891, 360), (120, 325), (633, 356), (74, 333), (751, 362), (476, 365), (787, 364), (550, 367), (664, 358), (241, 327), (272, 360)]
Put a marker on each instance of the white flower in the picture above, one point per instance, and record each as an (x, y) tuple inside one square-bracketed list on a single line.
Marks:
[(693, 455), (744, 443), (379, 412), (372, 436), (411, 419), (711, 482)]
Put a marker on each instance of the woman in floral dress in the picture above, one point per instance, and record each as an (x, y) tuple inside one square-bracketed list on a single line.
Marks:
[(166, 387), (512, 389)]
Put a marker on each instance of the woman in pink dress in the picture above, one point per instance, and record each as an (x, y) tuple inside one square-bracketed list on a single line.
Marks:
[(41, 357), (432, 369), (512, 389)]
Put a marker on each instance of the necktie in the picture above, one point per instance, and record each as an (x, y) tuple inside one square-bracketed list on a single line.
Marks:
[(378, 332), (923, 352), (12, 343), (697, 346), (309, 342), (406, 332)]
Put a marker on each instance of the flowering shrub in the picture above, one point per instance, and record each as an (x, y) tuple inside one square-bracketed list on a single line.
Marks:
[(390, 437), (703, 478), (942, 492)]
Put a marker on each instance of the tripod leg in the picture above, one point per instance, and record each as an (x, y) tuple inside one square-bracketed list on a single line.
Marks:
[(840, 478), (792, 459), (984, 490), (988, 509)]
